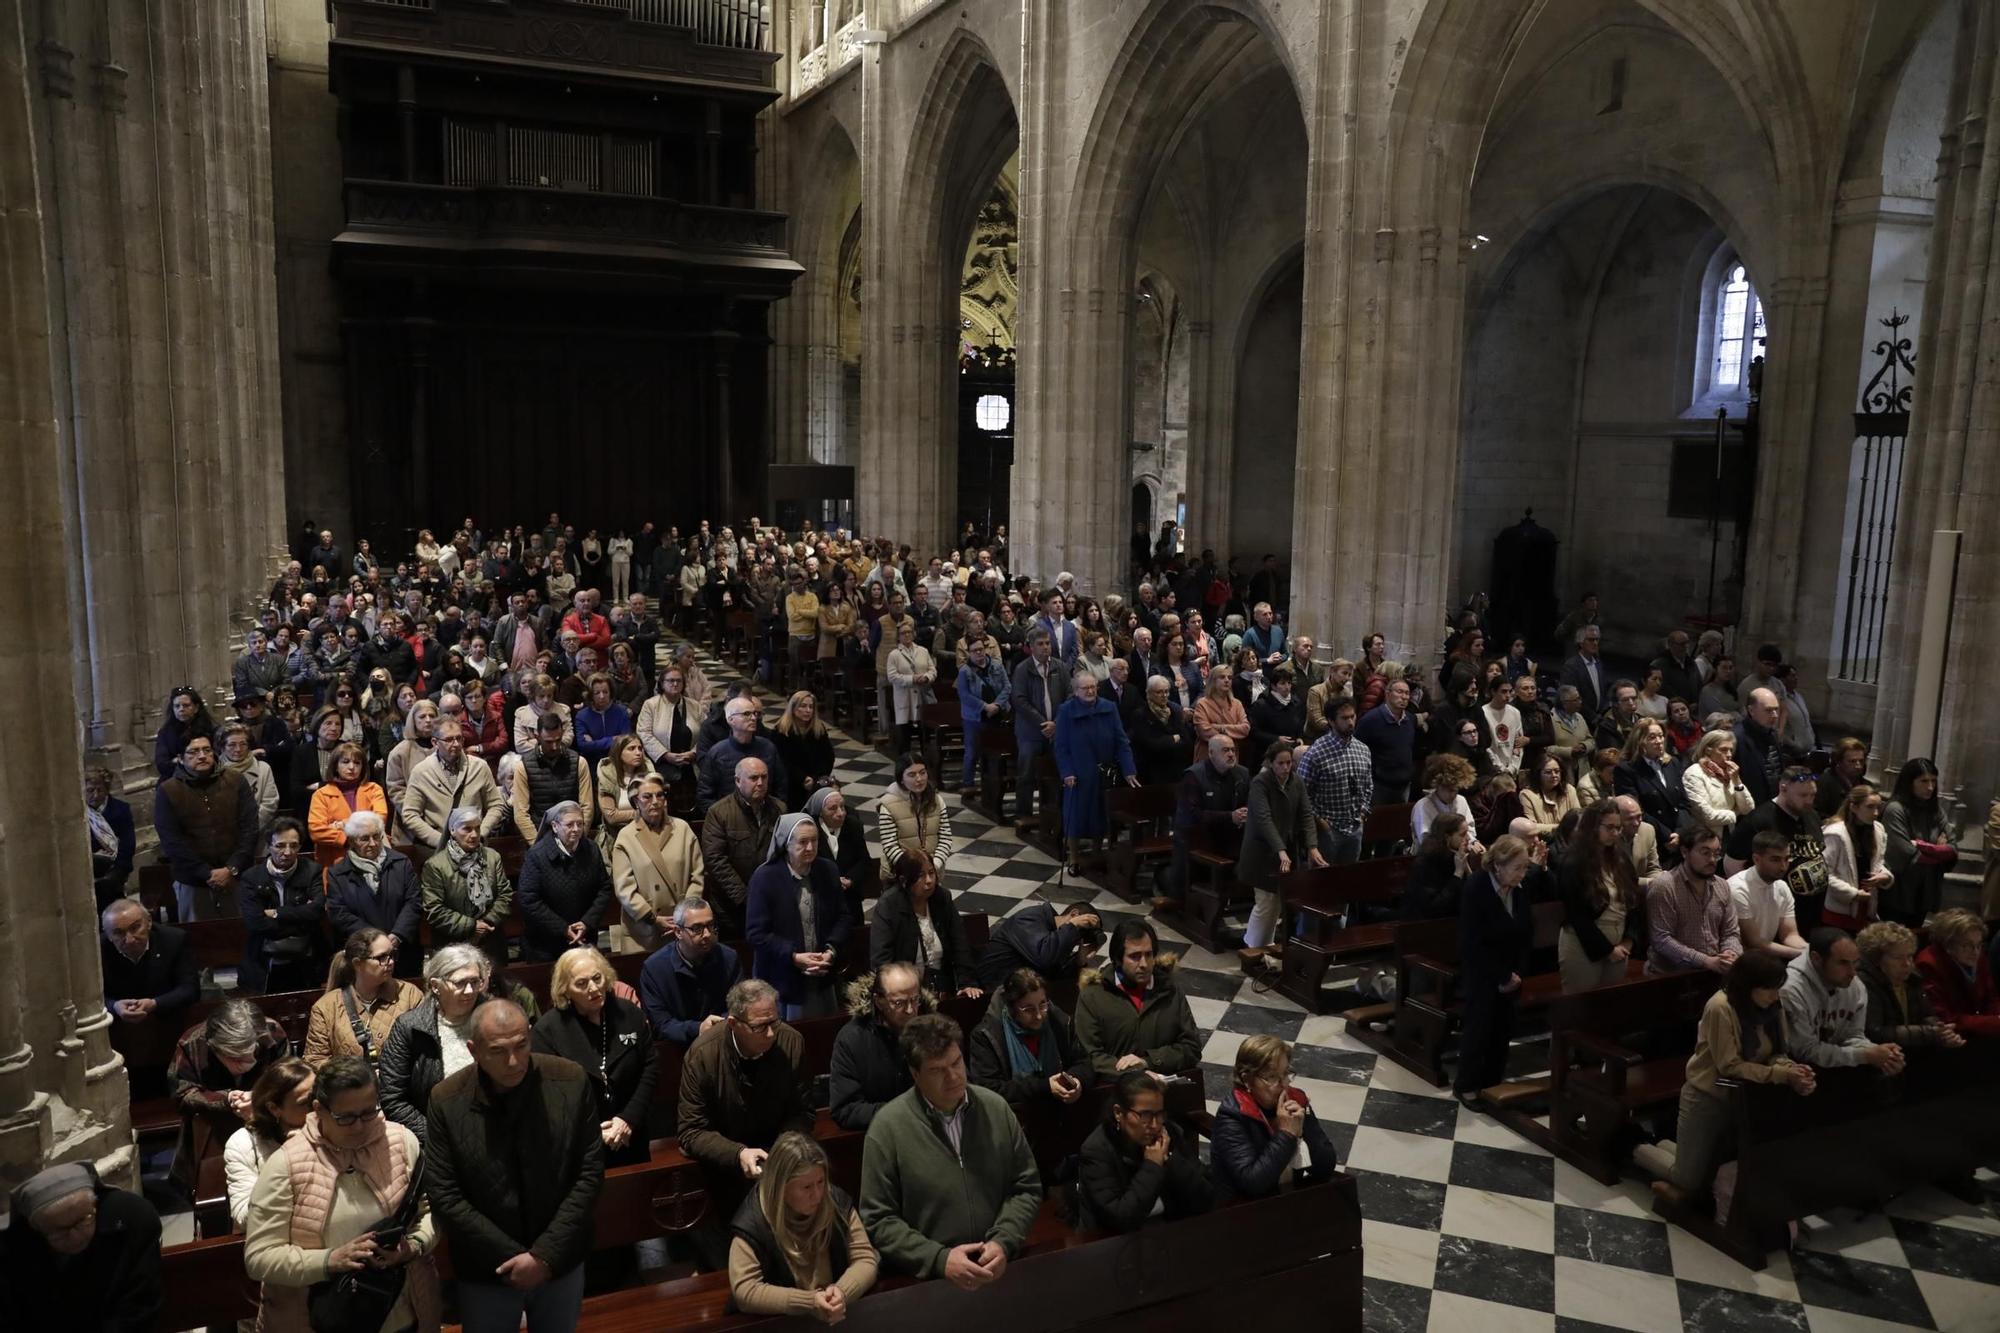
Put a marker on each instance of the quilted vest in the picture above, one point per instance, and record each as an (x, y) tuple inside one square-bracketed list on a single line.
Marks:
[(549, 784)]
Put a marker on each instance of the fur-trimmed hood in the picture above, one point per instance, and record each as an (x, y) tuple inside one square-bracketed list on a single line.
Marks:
[(861, 1001), (1163, 970)]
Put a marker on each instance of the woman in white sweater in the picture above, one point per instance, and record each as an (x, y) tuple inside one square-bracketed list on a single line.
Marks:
[(1714, 787), (1857, 872), (280, 1101)]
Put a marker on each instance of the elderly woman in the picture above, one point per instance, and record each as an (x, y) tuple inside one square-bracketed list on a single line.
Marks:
[(1090, 744), (373, 884), (466, 895), (80, 1254), (796, 920), (541, 692), (667, 725), (362, 1002), (610, 1038), (419, 738), (1958, 975), (1571, 730), (842, 841), (216, 1063), (1899, 1013), (655, 863), (565, 885), (1266, 1135), (346, 791), (318, 1200), (1161, 735), (280, 1104), (1713, 783), (432, 1041)]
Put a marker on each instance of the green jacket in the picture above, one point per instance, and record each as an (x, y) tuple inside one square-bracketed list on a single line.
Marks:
[(1162, 1029), (919, 1198)]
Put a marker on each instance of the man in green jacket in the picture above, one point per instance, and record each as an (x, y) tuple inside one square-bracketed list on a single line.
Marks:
[(949, 1186), (1132, 1015)]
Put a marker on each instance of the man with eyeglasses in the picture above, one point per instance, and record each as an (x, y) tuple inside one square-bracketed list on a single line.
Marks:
[(446, 780), (685, 985), (740, 1089), (148, 970), (206, 817), (517, 1162), (867, 1070), (744, 741)]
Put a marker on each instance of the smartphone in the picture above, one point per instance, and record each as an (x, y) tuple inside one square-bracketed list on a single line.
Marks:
[(388, 1238)]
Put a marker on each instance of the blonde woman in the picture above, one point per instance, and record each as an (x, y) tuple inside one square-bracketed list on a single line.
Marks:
[(611, 1039), (1714, 785), (804, 748), (799, 1247), (1856, 870), (1219, 711)]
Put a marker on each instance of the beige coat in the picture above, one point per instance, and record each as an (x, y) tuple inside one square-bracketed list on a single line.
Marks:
[(651, 872), (431, 794)]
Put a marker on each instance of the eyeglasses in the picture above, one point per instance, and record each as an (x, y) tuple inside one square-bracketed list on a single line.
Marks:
[(902, 1004), (1272, 1080), (760, 1029), (354, 1117), (1144, 1117), (698, 928), (1033, 1010), (463, 985), (385, 959)]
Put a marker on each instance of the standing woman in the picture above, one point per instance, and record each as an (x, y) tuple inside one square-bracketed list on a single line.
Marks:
[(911, 819), (346, 792), (611, 1040), (1184, 675), (620, 550), (1603, 910), (837, 621), (917, 922), (805, 748), (186, 716), (1278, 833), (1857, 875), (432, 1042), (1920, 851), (1091, 751), (319, 1197), (795, 921), (1217, 711), (1652, 701), (467, 898), (667, 725), (1495, 929), (1713, 783), (694, 576), (617, 773), (798, 1246), (842, 841), (363, 1000), (1571, 730), (911, 672), (280, 1103)]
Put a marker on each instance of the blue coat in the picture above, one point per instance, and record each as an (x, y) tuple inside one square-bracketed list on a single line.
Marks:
[(1088, 734), (774, 931)]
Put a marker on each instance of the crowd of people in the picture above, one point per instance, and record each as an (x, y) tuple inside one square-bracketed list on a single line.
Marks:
[(392, 723)]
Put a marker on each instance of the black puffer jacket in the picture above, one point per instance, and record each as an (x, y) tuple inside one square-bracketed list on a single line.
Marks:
[(291, 945), (867, 1070), (1117, 1187), (557, 889), (1249, 1155), (412, 1064)]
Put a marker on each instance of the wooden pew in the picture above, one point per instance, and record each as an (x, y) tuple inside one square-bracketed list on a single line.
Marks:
[(940, 738), (1207, 896), (1428, 1006), (1317, 902), (1142, 835), (999, 769), (1387, 823), (1598, 1083)]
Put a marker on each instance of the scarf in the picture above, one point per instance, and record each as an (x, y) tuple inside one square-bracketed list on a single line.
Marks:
[(1162, 711), (1020, 1059), (472, 873), (371, 1159), (103, 839), (370, 870)]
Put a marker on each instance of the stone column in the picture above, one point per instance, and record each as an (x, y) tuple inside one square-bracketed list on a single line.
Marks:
[(1211, 441), (1951, 475), (62, 1091)]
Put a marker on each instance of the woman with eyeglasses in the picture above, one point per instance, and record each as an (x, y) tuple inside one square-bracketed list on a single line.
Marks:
[(319, 1197), (1266, 1135), (433, 1041), (611, 1039), (363, 1000), (1139, 1165), (1025, 1048)]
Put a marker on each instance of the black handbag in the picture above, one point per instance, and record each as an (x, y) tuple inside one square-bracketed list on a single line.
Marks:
[(360, 1302)]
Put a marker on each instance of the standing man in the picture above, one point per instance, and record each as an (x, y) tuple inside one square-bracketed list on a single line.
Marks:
[(1390, 734), (207, 821), (949, 1186), (735, 839), (1339, 775), (1040, 686), (1585, 671), (516, 1163)]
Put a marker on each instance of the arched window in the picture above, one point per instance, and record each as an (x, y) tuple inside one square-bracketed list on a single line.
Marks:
[(1739, 329)]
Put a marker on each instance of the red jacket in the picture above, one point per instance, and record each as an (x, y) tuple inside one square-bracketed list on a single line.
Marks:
[(598, 636), (495, 739), (1972, 1007)]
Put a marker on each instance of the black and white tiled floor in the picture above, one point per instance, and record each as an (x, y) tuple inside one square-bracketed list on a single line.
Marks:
[(1469, 1228)]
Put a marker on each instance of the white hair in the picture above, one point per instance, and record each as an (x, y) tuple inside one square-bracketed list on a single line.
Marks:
[(362, 823)]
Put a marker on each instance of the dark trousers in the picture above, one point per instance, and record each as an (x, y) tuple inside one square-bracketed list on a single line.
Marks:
[(1482, 1043), (1027, 744)]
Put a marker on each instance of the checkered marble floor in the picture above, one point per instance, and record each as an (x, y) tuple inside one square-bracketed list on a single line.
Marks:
[(1469, 1228)]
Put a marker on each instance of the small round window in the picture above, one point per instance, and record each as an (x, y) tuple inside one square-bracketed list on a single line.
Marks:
[(992, 412)]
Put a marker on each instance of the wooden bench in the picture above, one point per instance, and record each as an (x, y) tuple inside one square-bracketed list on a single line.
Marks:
[(999, 766), (1387, 823), (1207, 897), (1428, 1006), (940, 738), (1142, 835), (1317, 902), (1599, 1081)]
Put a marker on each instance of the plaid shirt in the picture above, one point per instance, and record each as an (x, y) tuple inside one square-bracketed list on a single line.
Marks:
[(1340, 782)]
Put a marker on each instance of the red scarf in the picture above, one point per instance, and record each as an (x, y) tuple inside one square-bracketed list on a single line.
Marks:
[(1248, 1104)]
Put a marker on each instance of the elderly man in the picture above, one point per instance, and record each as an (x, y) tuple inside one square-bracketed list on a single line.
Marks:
[(554, 773), (1759, 755), (867, 1070), (591, 629), (655, 865), (1210, 812), (373, 884), (149, 970), (1680, 674), (79, 1254), (516, 1161), (949, 1185), (259, 670), (1586, 671), (1039, 688), (718, 766), (1642, 842), (446, 780), (740, 1089), (736, 839), (685, 984)]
